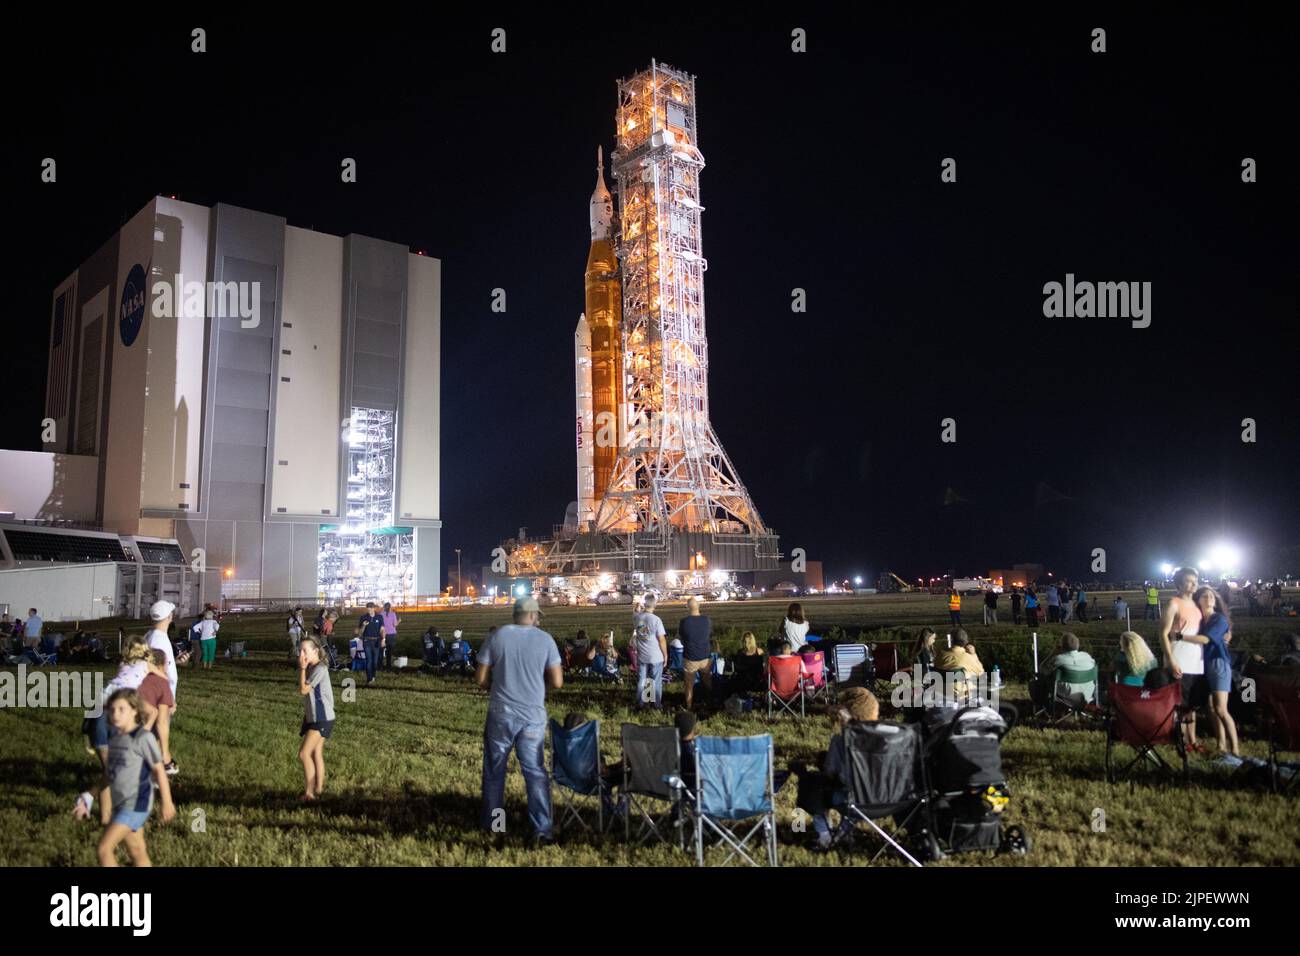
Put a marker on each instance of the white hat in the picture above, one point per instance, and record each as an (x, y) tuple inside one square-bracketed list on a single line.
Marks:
[(161, 610), (456, 634)]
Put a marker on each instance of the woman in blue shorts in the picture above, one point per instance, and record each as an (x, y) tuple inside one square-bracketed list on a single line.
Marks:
[(1216, 632)]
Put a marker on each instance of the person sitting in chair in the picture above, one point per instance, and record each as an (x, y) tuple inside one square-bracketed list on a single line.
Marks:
[(748, 666), (923, 650), (820, 791), (1134, 660), (1071, 657)]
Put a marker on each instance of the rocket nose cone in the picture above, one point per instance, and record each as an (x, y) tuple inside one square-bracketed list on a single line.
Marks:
[(602, 203)]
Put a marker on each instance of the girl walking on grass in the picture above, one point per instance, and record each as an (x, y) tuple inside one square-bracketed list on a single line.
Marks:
[(318, 717), (133, 772)]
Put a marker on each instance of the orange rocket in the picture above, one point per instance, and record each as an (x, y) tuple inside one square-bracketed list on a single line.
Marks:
[(604, 319)]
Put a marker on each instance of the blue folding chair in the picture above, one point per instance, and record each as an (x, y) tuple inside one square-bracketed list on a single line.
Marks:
[(734, 785), (847, 658), (575, 767), (46, 653)]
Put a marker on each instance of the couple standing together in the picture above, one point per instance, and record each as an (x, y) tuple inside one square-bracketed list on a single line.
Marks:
[(1195, 630)]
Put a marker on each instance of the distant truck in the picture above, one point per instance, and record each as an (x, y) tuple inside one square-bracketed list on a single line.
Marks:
[(965, 586)]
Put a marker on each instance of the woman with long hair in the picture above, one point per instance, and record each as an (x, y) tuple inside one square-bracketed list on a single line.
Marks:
[(923, 649), (795, 628), (1134, 659), (1215, 633)]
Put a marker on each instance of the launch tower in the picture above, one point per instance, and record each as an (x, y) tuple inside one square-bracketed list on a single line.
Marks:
[(662, 493)]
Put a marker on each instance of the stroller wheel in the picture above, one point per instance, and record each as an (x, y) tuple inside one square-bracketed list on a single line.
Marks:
[(926, 847), (1016, 841)]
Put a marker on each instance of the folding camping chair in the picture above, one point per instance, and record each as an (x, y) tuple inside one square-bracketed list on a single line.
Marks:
[(785, 683), (1061, 704), (600, 671), (1144, 718), (884, 660), (575, 767), (815, 682), (847, 664), (45, 653), (651, 757), (1280, 696), (734, 784), (884, 774)]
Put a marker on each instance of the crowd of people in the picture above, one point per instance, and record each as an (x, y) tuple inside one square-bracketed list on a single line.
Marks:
[(518, 664)]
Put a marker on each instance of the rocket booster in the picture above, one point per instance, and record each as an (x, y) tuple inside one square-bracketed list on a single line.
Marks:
[(585, 419), (604, 318)]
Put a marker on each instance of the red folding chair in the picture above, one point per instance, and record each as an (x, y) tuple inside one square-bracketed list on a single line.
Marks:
[(884, 666), (814, 684), (1143, 718), (1279, 697), (785, 683)]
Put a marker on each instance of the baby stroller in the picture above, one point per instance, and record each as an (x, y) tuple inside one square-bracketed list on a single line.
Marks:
[(332, 656), (460, 656), (963, 752)]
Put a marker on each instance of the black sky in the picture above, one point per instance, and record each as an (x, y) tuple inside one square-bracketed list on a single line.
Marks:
[(924, 299)]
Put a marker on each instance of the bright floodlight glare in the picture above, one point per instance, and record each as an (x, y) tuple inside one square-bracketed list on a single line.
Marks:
[(1205, 564), (1226, 557), (857, 580), (1166, 569)]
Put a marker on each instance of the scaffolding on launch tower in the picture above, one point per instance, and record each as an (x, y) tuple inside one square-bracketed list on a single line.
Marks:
[(672, 473)]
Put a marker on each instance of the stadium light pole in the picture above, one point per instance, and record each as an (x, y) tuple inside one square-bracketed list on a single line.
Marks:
[(460, 585)]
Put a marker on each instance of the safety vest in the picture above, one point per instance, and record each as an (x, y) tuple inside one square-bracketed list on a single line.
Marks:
[(1153, 596), (954, 602)]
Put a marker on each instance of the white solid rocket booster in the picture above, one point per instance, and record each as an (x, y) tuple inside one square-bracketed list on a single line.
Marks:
[(585, 425)]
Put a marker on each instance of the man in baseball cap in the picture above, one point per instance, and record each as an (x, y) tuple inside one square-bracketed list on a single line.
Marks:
[(161, 614), (517, 663)]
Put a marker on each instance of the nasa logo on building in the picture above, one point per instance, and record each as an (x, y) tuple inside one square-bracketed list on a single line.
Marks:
[(132, 308)]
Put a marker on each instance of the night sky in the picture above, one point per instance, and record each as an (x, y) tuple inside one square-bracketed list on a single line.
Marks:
[(925, 299)]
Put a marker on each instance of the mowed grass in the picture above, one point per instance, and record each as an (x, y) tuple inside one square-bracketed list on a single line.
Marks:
[(404, 763)]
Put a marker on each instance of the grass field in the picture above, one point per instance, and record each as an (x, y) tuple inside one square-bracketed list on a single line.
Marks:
[(405, 760)]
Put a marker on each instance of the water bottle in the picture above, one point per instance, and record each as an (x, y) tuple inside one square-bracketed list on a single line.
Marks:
[(995, 680)]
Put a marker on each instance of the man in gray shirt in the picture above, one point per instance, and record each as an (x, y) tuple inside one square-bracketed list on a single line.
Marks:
[(517, 663)]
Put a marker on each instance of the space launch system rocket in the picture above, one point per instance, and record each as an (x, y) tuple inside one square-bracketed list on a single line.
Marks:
[(599, 436), (585, 422)]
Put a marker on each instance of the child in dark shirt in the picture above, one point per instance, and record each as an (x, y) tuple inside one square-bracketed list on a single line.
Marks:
[(157, 705)]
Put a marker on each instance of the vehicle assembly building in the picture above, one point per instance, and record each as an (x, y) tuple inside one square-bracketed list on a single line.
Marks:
[(656, 492), (262, 398)]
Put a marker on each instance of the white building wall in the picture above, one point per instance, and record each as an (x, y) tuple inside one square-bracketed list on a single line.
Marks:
[(66, 592), (307, 432), (41, 485), (62, 356), (124, 451), (418, 468), (173, 410)]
